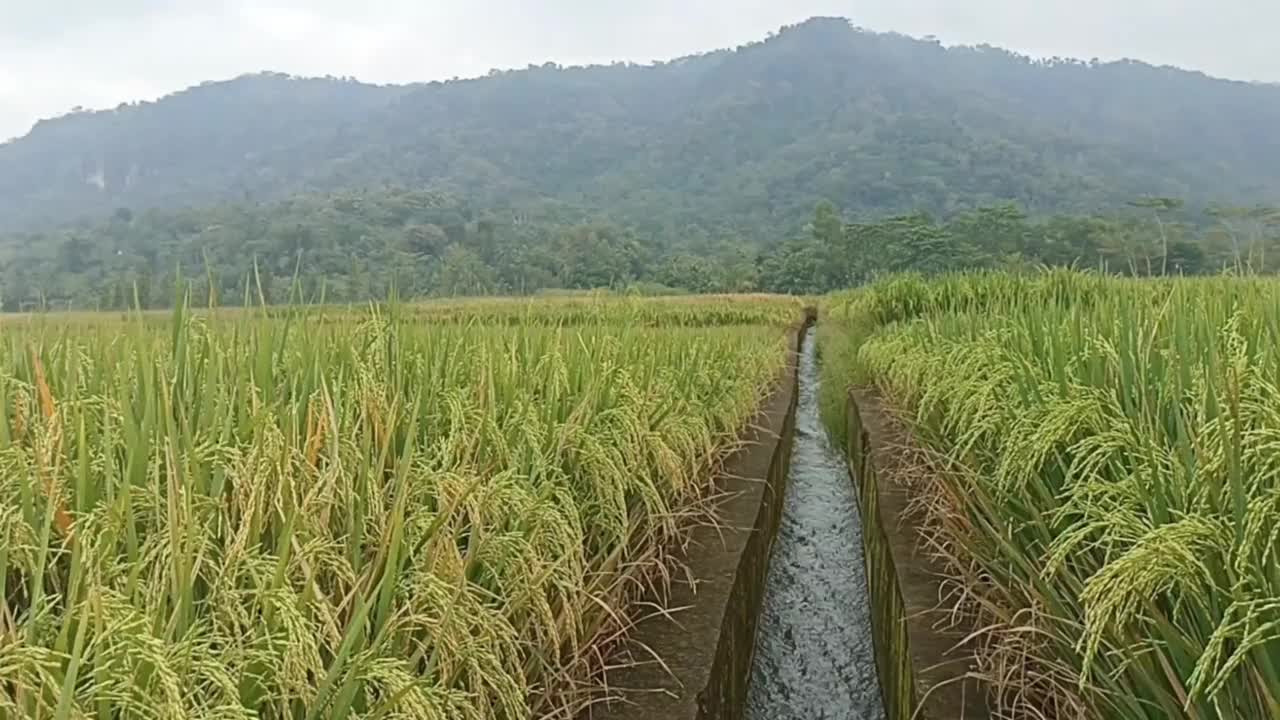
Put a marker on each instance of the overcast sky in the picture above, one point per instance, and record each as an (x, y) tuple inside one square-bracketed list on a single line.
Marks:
[(56, 54)]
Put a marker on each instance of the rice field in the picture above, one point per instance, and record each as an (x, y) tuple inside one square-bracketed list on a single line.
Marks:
[(1101, 473), (388, 512)]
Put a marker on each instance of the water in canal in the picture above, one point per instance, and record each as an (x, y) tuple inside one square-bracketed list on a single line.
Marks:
[(814, 658)]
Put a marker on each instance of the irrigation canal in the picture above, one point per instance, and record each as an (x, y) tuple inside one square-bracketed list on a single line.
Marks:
[(814, 658)]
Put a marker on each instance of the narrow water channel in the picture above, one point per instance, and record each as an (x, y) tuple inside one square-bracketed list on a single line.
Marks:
[(814, 658)]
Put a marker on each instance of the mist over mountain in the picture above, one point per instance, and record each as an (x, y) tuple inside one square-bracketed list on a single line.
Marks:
[(747, 139)]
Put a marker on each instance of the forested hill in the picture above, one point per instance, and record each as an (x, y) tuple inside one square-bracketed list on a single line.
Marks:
[(746, 140)]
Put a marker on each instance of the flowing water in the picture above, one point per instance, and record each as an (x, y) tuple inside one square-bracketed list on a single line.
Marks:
[(814, 658)]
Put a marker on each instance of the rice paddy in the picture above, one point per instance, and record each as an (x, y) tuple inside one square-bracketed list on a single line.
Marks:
[(400, 511), (1101, 474)]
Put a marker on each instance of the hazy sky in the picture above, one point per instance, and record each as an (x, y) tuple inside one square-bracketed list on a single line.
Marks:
[(55, 54)]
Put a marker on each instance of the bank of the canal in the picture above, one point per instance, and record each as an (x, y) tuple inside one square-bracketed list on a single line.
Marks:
[(814, 655), (692, 660)]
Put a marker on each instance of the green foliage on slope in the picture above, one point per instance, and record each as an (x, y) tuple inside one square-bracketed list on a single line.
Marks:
[(746, 140)]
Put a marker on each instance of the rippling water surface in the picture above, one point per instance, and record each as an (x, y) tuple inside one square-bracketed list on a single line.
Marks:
[(814, 657)]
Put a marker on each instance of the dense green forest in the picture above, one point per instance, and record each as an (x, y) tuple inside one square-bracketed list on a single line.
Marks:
[(700, 174), (1153, 236), (351, 247), (743, 140)]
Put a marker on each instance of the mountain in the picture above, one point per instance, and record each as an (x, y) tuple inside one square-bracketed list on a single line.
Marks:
[(204, 144), (743, 141)]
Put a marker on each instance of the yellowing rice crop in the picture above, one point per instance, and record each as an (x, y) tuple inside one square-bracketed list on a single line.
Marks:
[(351, 515), (1108, 481)]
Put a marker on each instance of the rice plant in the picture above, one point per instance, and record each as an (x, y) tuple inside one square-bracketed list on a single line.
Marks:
[(1111, 455), (332, 513)]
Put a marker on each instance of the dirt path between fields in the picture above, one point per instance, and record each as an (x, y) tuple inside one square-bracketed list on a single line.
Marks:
[(939, 665)]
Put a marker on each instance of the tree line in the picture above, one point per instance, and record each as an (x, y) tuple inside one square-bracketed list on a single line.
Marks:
[(1153, 236), (353, 247), (350, 247)]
